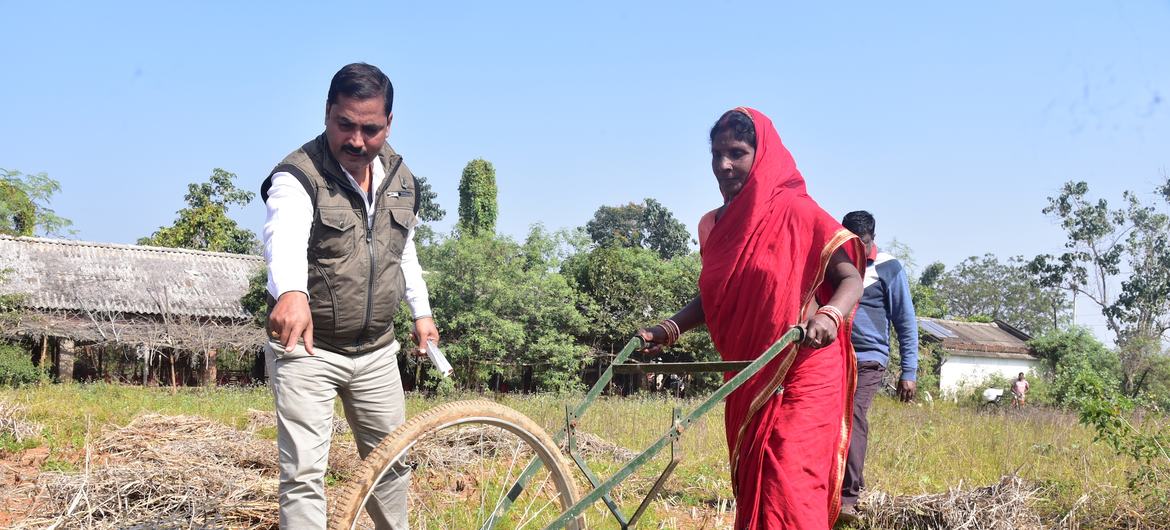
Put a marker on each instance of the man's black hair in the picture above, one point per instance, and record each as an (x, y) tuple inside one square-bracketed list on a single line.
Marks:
[(860, 222), (739, 124), (361, 81)]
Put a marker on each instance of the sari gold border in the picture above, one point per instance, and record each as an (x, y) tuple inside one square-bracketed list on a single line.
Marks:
[(837, 474), (838, 239)]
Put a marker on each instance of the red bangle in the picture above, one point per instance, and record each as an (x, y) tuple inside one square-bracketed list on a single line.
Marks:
[(672, 331), (833, 313)]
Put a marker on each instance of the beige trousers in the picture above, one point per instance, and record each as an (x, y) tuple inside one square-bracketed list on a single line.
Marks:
[(304, 387)]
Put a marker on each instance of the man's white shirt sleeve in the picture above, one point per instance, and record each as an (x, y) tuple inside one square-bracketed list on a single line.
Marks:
[(286, 235), (286, 250)]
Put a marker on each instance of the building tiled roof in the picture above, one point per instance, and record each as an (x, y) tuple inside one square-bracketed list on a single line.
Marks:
[(58, 274), (977, 339)]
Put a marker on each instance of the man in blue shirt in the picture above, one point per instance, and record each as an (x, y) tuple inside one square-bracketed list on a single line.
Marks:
[(885, 301)]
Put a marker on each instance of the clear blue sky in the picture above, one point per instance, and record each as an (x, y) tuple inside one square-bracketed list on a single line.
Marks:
[(951, 123)]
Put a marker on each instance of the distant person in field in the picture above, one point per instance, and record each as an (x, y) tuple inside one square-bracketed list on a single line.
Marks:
[(339, 243), (773, 259), (1019, 391), (884, 302)]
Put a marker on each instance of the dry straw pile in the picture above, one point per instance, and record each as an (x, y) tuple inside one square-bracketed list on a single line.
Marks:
[(1009, 505), (190, 472), (13, 422), (165, 472)]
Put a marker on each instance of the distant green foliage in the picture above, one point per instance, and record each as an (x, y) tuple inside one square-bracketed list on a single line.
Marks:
[(255, 301), (983, 289), (477, 199), (1076, 361), (16, 367), (1106, 247), (24, 205), (428, 211), (927, 301), (10, 304), (647, 225), (622, 289), (204, 224), (502, 307), (428, 202)]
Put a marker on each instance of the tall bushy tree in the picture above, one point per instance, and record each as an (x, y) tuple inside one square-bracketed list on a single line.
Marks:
[(1073, 356), (204, 224), (24, 205), (648, 225), (1106, 247), (503, 307), (622, 289), (477, 198), (428, 211), (923, 291), (428, 202), (985, 288)]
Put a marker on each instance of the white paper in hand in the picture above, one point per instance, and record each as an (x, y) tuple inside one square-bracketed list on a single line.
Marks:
[(438, 360)]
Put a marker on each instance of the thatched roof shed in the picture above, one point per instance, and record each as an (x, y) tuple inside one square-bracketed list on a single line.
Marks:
[(104, 292)]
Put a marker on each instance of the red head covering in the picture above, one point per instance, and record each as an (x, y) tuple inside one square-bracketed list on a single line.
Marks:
[(763, 262)]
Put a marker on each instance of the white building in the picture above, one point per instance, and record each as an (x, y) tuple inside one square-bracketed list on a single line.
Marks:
[(972, 351)]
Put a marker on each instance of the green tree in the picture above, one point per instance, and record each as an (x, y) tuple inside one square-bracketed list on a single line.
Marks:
[(647, 225), (927, 301), (24, 205), (255, 301), (204, 224), (923, 289), (1074, 358), (477, 198), (983, 288), (505, 309), (621, 289), (428, 211), (428, 202), (1110, 247), (10, 304)]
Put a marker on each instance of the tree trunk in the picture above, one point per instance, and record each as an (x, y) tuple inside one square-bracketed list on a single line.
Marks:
[(65, 360)]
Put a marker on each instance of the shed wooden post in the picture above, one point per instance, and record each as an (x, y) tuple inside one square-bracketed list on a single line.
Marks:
[(210, 374), (65, 359), (43, 354)]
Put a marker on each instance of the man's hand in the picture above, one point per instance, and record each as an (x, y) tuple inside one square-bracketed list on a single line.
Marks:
[(291, 320), (906, 390), (424, 330)]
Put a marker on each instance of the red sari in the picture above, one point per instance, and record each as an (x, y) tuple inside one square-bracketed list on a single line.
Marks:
[(763, 271)]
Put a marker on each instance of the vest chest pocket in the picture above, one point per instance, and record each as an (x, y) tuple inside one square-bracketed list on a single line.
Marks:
[(403, 217), (401, 221), (335, 235)]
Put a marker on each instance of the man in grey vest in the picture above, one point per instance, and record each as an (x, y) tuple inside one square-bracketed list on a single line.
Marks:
[(339, 245)]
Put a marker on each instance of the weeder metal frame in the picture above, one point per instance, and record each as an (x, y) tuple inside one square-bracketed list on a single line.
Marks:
[(601, 490)]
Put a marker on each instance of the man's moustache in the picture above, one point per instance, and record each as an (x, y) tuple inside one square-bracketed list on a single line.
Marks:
[(353, 150)]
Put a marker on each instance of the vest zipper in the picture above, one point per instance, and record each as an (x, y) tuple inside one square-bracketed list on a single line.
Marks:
[(370, 248)]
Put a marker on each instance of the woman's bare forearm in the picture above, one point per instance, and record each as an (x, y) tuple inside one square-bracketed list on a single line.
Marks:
[(690, 316), (846, 281)]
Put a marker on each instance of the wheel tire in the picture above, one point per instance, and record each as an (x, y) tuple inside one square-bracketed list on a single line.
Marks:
[(351, 498)]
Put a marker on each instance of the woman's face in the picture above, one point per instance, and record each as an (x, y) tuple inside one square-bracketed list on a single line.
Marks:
[(731, 161)]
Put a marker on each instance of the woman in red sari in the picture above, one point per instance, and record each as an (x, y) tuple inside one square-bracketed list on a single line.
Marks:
[(772, 258)]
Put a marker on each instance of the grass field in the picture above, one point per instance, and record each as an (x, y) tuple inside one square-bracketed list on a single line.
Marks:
[(914, 449)]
